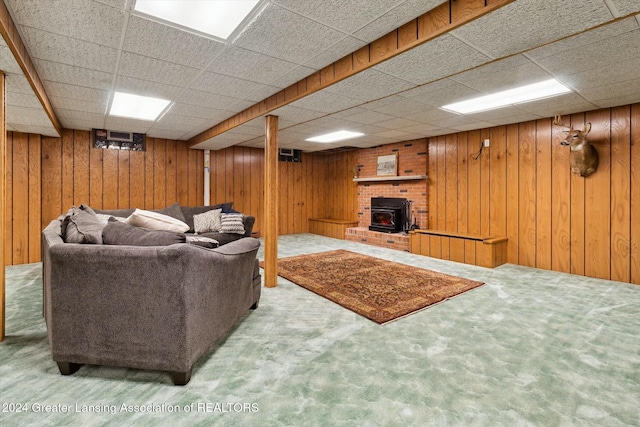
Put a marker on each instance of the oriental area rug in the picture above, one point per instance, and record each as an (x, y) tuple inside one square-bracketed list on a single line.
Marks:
[(377, 289)]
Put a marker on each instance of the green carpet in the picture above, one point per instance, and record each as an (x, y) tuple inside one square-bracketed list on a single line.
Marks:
[(529, 348)]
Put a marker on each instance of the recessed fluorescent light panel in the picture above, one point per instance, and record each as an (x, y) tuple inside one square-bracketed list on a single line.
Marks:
[(519, 95), (137, 107), (213, 17), (340, 135)]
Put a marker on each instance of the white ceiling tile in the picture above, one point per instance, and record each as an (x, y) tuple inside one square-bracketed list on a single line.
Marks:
[(63, 73), (563, 104), (35, 129), (344, 16), (81, 19), (293, 76), (127, 125), (369, 85), (201, 112), (396, 123), (177, 122), (146, 88), (156, 132), (466, 125), (65, 90), (262, 93), (27, 115), (438, 95), (325, 102), (80, 119), (396, 17), (253, 66), (155, 70), (7, 61), (206, 99), (625, 7), (368, 117), (402, 108), (286, 35), (433, 117), (225, 85), (296, 115), (166, 43), (422, 129), (522, 25), (78, 105), (28, 100), (601, 55), (600, 93), (58, 48), (596, 35), (502, 77), (419, 64), (393, 134), (333, 53), (614, 72)]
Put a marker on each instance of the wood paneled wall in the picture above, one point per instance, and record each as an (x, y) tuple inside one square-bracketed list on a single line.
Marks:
[(45, 176), (521, 187), (320, 186)]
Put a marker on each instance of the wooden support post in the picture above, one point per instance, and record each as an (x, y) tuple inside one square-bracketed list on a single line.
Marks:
[(3, 192), (271, 202)]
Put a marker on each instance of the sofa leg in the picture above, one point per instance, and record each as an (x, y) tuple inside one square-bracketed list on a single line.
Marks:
[(254, 306), (181, 378), (67, 368)]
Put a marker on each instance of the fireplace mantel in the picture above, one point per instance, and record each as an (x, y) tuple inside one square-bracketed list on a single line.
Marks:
[(391, 178)]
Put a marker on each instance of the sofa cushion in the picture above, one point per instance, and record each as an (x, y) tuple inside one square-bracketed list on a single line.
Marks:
[(232, 223), (81, 225), (121, 233), (222, 238), (156, 221), (190, 211), (208, 221), (172, 210), (205, 242)]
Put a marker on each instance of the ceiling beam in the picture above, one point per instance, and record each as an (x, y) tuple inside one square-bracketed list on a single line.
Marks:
[(436, 22), (11, 36)]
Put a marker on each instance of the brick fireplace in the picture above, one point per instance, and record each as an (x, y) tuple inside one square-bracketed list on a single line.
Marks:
[(412, 163)]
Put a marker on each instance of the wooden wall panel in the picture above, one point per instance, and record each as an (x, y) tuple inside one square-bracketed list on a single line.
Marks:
[(560, 203), (621, 193), (462, 183), (48, 175), (598, 200), (635, 194), (553, 219)]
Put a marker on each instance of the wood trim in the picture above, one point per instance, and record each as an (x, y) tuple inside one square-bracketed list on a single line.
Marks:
[(271, 202), (428, 26), (3, 190), (12, 37)]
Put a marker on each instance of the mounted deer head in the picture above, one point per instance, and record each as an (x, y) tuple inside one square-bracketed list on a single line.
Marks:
[(584, 157)]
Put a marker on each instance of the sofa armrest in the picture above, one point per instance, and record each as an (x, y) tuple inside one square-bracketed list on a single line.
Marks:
[(248, 222)]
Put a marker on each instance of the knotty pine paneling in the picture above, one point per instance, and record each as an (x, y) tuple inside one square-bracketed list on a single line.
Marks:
[(521, 188), (46, 175)]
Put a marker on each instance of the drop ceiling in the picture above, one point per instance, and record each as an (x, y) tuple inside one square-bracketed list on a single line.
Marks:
[(84, 50)]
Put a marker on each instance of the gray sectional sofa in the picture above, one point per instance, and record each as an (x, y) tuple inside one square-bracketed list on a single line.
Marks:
[(147, 307)]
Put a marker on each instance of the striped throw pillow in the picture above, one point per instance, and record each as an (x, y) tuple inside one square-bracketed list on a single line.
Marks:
[(232, 223)]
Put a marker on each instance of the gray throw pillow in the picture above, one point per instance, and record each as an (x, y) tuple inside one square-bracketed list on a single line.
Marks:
[(232, 223), (205, 242), (208, 221), (121, 233), (82, 225)]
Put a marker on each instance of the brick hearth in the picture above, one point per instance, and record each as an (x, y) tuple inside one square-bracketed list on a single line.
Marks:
[(397, 241)]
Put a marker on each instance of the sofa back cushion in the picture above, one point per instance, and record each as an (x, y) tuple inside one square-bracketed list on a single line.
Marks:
[(173, 211), (190, 211), (120, 233), (156, 221), (81, 225)]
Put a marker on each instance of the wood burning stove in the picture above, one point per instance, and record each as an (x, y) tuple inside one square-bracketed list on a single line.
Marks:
[(388, 214)]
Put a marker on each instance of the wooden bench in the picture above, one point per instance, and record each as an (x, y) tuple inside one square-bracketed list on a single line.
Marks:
[(476, 250), (330, 227)]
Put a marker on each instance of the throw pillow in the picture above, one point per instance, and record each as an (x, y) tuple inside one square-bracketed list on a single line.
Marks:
[(156, 221), (81, 225), (232, 223), (121, 233), (208, 221), (205, 242), (190, 211)]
